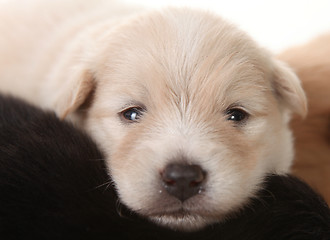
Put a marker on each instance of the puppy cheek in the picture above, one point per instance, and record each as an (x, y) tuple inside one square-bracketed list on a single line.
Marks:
[(232, 183), (243, 166), (121, 154), (133, 172)]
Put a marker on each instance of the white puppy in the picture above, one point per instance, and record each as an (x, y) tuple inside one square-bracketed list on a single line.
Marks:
[(189, 111)]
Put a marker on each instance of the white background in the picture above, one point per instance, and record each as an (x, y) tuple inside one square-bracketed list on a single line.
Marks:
[(275, 24)]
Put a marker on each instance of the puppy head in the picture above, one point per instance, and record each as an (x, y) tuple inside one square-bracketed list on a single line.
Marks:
[(190, 113)]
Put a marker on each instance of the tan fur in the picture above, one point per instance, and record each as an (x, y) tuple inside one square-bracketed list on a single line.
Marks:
[(186, 68), (312, 163)]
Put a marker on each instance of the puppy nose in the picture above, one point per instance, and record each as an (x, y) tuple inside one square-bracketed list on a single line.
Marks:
[(182, 180)]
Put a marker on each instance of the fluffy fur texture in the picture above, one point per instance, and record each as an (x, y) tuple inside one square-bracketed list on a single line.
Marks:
[(54, 185), (312, 64), (186, 70)]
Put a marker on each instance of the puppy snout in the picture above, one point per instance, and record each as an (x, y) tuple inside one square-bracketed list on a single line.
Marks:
[(183, 181)]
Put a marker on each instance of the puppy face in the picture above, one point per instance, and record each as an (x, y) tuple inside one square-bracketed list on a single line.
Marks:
[(191, 115)]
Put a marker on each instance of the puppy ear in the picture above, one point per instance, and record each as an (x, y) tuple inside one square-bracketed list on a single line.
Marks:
[(76, 89), (288, 89)]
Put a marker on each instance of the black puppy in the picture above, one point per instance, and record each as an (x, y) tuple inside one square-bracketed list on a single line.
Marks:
[(54, 185)]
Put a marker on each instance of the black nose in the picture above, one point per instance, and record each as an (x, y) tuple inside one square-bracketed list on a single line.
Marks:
[(182, 180)]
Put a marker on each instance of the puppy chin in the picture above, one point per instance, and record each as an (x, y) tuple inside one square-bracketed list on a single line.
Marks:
[(182, 221), (187, 216)]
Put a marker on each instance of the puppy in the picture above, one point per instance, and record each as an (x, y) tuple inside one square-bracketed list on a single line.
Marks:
[(190, 113), (312, 64), (54, 185)]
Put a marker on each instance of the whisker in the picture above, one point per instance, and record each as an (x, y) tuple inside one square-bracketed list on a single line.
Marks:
[(119, 209), (109, 182)]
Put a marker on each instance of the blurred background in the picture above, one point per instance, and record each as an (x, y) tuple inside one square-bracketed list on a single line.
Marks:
[(276, 25)]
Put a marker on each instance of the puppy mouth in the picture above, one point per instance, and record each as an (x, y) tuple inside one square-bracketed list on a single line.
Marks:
[(175, 214), (182, 220), (183, 217), (182, 201)]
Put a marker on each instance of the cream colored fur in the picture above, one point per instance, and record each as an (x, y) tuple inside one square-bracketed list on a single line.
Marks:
[(311, 62), (186, 68)]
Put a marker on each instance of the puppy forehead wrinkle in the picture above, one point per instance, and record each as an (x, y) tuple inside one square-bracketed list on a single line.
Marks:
[(200, 53), (194, 67)]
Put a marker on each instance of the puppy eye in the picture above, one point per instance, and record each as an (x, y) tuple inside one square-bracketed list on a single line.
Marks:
[(236, 115), (132, 114)]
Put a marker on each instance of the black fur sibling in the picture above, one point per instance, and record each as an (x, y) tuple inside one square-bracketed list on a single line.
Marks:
[(53, 185)]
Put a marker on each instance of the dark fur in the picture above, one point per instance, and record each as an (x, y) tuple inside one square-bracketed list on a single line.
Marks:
[(52, 186)]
